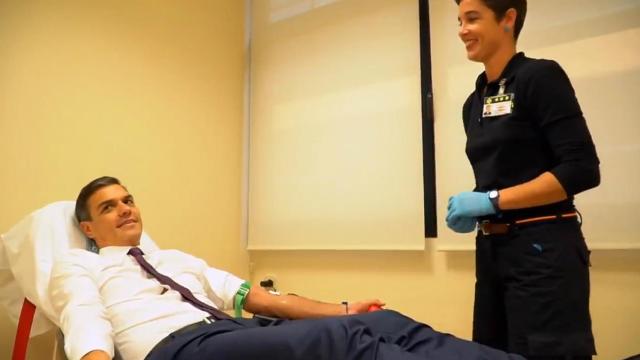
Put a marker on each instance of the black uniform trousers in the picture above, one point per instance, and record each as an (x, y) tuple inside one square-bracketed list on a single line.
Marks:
[(532, 291), (379, 335)]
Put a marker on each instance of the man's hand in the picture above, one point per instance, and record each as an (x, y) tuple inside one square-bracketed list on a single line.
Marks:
[(360, 307), (96, 355)]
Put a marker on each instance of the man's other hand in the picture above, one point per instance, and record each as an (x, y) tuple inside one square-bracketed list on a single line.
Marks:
[(96, 355), (360, 307)]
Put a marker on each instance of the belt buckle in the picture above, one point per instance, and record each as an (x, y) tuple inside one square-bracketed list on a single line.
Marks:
[(483, 228)]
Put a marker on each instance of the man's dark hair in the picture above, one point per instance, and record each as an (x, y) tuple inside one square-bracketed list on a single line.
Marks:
[(82, 209), (500, 7)]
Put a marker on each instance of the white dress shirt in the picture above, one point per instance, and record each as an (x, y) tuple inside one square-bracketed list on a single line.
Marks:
[(107, 299)]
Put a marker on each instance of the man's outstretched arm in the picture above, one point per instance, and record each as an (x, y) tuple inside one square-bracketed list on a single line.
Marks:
[(259, 301)]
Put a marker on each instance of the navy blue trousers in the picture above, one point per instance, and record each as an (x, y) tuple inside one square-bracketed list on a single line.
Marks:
[(380, 335), (532, 292)]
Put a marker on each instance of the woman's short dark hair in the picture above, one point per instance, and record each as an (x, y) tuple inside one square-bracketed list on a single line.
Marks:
[(82, 209), (500, 7)]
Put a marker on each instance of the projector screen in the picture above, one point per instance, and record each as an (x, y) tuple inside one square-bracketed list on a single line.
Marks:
[(335, 126)]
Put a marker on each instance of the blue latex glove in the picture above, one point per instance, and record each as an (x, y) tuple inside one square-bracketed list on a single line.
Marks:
[(462, 224), (470, 204)]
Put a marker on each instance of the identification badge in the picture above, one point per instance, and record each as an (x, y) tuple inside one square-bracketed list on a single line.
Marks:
[(497, 105)]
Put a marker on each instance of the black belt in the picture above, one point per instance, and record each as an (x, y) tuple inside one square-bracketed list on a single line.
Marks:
[(181, 331), (498, 228)]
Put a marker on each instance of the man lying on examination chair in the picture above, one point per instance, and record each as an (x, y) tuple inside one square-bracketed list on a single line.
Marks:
[(164, 304)]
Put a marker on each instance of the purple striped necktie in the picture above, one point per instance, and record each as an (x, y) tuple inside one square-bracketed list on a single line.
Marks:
[(186, 293)]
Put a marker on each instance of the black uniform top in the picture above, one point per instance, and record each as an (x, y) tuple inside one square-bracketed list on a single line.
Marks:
[(544, 132)]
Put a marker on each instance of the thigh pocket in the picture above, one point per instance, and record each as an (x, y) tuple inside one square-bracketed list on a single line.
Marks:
[(571, 344)]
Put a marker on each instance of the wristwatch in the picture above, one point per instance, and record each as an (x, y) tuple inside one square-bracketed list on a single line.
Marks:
[(494, 197)]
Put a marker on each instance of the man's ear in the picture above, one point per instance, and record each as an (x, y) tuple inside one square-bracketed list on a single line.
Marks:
[(87, 229)]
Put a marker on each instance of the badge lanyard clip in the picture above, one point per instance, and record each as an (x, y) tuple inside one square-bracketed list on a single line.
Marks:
[(502, 83)]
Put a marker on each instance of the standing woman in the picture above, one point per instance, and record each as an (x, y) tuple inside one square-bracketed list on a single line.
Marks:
[(531, 152)]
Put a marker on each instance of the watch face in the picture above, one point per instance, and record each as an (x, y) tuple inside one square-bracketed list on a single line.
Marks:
[(493, 194)]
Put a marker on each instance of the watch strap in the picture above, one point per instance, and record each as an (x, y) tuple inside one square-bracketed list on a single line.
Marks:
[(494, 199)]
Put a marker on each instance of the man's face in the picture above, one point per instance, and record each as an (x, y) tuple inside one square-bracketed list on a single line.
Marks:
[(115, 219)]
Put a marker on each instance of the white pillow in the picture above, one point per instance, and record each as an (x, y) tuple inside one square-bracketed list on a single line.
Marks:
[(27, 254)]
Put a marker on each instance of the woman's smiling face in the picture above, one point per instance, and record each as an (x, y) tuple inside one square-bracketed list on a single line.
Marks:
[(480, 31)]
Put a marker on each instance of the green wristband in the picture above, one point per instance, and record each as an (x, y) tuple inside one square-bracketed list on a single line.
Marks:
[(241, 297)]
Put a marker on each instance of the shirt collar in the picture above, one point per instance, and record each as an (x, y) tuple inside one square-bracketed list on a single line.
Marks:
[(118, 251), (507, 72)]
